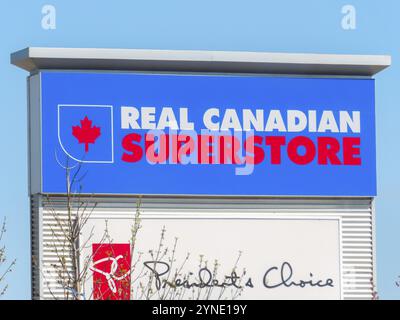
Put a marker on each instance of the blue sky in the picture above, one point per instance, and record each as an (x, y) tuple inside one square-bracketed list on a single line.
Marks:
[(262, 25)]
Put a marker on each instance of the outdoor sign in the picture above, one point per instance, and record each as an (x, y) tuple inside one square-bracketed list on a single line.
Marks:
[(281, 258), (132, 133), (115, 259)]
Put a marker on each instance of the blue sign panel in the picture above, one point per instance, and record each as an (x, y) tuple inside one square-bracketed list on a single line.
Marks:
[(131, 133)]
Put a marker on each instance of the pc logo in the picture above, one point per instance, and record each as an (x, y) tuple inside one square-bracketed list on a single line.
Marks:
[(85, 132)]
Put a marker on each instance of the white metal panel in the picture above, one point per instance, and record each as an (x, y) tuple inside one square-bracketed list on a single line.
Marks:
[(355, 213), (33, 59), (309, 244), (34, 135)]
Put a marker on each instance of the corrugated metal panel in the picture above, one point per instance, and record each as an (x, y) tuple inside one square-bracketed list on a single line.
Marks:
[(35, 256), (356, 216)]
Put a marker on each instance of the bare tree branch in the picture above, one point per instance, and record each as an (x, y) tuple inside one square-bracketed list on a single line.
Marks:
[(5, 267)]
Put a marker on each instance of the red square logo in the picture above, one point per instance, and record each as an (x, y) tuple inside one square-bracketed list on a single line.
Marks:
[(111, 271)]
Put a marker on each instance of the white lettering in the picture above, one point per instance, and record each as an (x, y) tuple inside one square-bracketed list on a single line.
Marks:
[(185, 124), (250, 121), (129, 117), (275, 122), (207, 119), (346, 121), (328, 122), (148, 118), (231, 121), (296, 121), (167, 120)]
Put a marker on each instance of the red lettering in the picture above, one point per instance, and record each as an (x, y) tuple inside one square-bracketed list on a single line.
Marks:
[(276, 143), (350, 150), (135, 149), (182, 144), (250, 146), (187, 148), (309, 154), (205, 153), (328, 149), (162, 154), (229, 146)]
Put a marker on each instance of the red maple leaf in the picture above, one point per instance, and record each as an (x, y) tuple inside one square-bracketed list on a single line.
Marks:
[(86, 133)]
